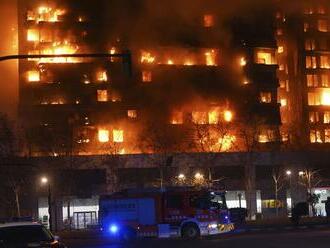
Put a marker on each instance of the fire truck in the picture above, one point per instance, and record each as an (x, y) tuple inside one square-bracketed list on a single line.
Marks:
[(172, 212)]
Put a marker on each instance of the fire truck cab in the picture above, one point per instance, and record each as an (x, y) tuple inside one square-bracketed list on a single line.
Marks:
[(181, 211)]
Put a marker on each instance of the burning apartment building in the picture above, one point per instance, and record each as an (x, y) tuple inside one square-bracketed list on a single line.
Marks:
[(215, 89)]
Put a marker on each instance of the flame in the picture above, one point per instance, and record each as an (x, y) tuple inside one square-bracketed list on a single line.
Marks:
[(226, 142), (102, 95), (102, 76), (57, 49), (147, 58), (208, 21), (170, 62), (32, 35), (103, 135), (228, 116), (46, 14), (132, 113), (243, 61), (146, 76), (33, 76), (325, 99), (177, 118), (214, 117), (210, 57), (118, 136), (199, 117)]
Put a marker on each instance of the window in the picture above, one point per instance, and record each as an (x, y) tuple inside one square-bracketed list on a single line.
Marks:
[(103, 135), (323, 44), (321, 10), (266, 136), (326, 117), (174, 201), (208, 21), (102, 95), (284, 102), (265, 97), (177, 118), (314, 117), (306, 26), (102, 76), (327, 135), (46, 35), (32, 35), (309, 45), (325, 80), (312, 80), (308, 10), (118, 136), (132, 114), (324, 62), (146, 76), (33, 76), (325, 98), (310, 62), (322, 26), (213, 116), (279, 31), (200, 117), (315, 136), (314, 98), (265, 58), (280, 49)]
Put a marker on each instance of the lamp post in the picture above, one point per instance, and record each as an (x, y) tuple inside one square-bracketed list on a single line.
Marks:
[(289, 173), (45, 181)]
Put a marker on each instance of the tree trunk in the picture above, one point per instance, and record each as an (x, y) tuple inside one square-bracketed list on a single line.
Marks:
[(69, 212), (18, 208), (276, 199), (250, 189)]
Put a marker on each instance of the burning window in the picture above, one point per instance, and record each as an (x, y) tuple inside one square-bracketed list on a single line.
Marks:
[(265, 97), (242, 61), (284, 102), (311, 62), (323, 26), (32, 35), (325, 80), (208, 20), (228, 116), (324, 62), (115, 97), (102, 76), (265, 57), (266, 135), (214, 116), (226, 142), (102, 95), (309, 44), (321, 10), (279, 31), (306, 26), (280, 49), (312, 80), (314, 117), (146, 76), (314, 98), (315, 136), (46, 35), (113, 51), (210, 57), (48, 14), (59, 49), (103, 135), (118, 136), (327, 135), (326, 117), (147, 57), (177, 118), (132, 114), (325, 100), (33, 76), (200, 118)]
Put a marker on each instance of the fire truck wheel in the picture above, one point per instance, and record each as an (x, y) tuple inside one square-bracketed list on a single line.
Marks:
[(190, 231), (128, 234)]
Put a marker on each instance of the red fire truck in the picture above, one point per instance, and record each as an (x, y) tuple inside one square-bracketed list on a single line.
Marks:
[(180, 211)]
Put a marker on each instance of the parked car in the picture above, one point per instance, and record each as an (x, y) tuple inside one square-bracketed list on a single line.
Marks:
[(27, 234), (299, 210)]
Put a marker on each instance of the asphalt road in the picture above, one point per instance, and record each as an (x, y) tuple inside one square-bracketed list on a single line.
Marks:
[(295, 239)]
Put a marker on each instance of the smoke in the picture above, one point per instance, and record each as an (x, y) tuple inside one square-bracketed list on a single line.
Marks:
[(8, 69)]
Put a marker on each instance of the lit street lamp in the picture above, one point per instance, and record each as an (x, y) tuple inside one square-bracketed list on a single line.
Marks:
[(288, 173), (182, 177), (199, 176), (301, 173), (45, 181)]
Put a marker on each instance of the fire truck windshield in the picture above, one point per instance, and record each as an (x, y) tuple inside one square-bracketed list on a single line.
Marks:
[(209, 200)]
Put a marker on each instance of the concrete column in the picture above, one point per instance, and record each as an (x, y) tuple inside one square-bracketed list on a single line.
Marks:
[(250, 190), (111, 180)]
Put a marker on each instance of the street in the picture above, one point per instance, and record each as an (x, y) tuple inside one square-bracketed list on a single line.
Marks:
[(299, 239)]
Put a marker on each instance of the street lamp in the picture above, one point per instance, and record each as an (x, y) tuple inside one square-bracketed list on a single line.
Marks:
[(301, 173), (44, 181), (288, 173), (182, 177), (199, 176)]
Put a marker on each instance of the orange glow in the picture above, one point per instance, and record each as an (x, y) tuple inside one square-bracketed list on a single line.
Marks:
[(228, 116), (118, 136), (147, 57), (33, 76), (132, 114), (263, 138), (199, 117), (325, 98), (102, 76), (47, 14), (214, 117), (242, 61), (146, 76), (177, 118), (170, 62), (226, 142), (113, 50), (208, 21), (264, 58), (58, 50), (32, 35), (102, 95), (210, 57), (103, 135)]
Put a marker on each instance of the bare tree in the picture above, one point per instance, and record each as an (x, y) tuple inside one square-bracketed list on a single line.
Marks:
[(278, 180)]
